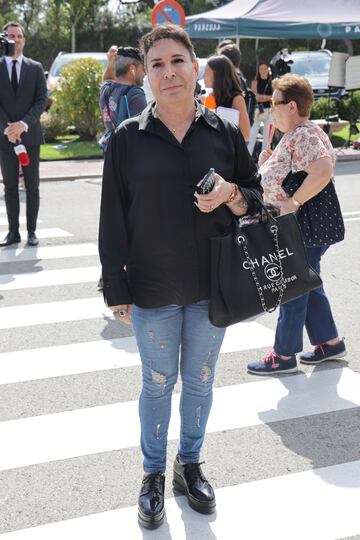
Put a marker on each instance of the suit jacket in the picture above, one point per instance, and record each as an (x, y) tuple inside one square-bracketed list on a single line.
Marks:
[(27, 105)]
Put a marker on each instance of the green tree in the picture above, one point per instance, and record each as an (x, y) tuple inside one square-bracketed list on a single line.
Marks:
[(76, 98)]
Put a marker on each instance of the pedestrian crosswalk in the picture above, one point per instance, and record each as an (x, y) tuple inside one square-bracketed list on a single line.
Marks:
[(270, 449)]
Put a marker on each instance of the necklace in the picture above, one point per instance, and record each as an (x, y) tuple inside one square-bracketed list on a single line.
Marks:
[(173, 130)]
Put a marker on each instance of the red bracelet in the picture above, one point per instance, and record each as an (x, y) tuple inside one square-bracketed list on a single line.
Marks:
[(234, 192)]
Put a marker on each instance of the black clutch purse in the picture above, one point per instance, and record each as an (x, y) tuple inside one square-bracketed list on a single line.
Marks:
[(320, 218), (256, 268)]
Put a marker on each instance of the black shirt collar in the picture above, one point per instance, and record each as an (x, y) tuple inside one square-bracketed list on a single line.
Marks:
[(147, 120)]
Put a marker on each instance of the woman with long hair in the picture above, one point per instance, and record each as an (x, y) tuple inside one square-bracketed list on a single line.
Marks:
[(263, 90), (221, 76)]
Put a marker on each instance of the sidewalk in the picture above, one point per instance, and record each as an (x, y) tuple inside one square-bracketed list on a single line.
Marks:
[(70, 169), (92, 168)]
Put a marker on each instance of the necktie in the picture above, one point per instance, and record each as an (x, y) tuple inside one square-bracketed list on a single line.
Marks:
[(14, 80)]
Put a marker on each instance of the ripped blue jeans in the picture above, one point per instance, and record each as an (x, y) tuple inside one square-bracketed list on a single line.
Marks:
[(169, 337)]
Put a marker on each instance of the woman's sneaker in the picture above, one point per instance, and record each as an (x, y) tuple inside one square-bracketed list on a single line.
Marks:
[(272, 363), (323, 352)]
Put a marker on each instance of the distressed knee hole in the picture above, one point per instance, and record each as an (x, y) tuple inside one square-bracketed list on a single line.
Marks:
[(158, 378), (205, 373)]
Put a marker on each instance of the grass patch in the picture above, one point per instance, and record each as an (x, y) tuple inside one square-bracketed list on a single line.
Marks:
[(340, 137), (70, 148)]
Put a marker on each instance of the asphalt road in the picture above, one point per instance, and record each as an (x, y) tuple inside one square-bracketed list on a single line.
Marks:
[(284, 454)]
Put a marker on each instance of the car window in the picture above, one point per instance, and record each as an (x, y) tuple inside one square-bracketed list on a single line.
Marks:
[(311, 65), (66, 60)]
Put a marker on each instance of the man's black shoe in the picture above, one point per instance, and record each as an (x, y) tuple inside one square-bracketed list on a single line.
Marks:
[(151, 511), (10, 238), (189, 479), (32, 239)]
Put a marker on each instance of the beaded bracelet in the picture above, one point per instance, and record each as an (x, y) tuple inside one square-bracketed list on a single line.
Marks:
[(234, 192)]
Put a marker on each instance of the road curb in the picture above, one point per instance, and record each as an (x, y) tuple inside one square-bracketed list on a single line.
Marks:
[(70, 178), (347, 157)]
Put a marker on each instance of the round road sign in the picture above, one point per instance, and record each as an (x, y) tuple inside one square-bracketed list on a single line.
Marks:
[(168, 12)]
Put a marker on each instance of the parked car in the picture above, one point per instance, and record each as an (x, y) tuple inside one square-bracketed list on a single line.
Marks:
[(314, 65), (64, 59)]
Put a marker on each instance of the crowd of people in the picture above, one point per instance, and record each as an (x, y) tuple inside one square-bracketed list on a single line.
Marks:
[(155, 227)]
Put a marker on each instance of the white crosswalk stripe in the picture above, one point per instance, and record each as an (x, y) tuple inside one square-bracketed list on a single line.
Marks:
[(32, 441), (330, 491), (101, 355), (22, 220), (45, 253), (49, 277), (64, 435), (47, 233)]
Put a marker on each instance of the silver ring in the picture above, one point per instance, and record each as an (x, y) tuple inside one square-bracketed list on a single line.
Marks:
[(120, 313)]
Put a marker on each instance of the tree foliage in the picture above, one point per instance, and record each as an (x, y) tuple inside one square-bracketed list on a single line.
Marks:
[(77, 96)]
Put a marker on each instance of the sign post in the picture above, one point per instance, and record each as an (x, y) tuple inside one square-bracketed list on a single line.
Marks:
[(168, 12)]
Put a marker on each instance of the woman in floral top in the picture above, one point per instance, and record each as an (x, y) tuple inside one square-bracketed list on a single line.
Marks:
[(304, 147)]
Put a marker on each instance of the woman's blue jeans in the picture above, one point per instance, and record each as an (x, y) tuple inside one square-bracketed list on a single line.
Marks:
[(311, 310), (165, 335)]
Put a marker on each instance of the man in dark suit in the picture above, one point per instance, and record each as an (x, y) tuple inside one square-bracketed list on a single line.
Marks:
[(22, 100)]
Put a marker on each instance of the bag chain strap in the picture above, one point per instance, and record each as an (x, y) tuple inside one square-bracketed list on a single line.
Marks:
[(280, 282)]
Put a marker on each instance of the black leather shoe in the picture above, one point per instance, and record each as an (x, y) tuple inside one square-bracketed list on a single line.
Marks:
[(189, 480), (32, 239), (151, 511), (10, 238)]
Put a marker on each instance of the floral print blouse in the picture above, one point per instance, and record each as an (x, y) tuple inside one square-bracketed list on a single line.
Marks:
[(295, 152)]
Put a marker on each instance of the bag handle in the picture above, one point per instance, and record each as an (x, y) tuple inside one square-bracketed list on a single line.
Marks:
[(273, 228), (271, 221)]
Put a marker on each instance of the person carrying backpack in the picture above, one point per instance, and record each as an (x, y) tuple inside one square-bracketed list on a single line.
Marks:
[(120, 95)]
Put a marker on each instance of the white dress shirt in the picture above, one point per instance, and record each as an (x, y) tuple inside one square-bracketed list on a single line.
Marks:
[(9, 65)]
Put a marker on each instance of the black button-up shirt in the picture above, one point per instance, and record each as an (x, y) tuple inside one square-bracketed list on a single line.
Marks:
[(154, 243)]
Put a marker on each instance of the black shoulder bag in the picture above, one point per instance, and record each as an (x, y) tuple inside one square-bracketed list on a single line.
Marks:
[(256, 268), (320, 218)]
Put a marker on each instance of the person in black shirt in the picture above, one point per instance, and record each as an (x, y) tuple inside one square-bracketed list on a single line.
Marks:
[(154, 244), (263, 90)]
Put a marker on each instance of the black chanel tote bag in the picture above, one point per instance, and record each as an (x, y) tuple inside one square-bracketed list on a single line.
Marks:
[(256, 268)]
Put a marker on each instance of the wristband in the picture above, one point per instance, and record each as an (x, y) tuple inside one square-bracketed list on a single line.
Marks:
[(234, 192)]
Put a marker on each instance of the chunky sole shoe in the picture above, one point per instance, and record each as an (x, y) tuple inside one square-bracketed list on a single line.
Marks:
[(151, 522), (151, 509), (204, 507)]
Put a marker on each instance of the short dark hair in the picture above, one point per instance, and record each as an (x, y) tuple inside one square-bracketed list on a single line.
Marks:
[(224, 42), (14, 23), (232, 52), (168, 31), (131, 52), (127, 56)]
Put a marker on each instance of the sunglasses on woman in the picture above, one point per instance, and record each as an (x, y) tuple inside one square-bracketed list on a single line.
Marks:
[(276, 103)]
